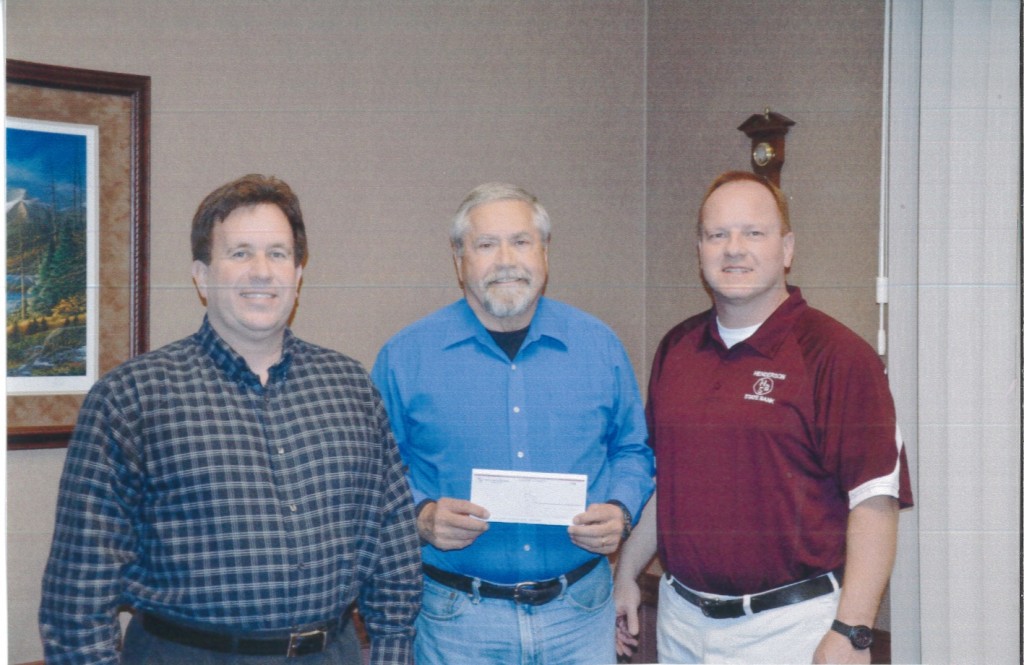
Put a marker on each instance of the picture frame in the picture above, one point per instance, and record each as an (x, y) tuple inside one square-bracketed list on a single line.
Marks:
[(119, 106)]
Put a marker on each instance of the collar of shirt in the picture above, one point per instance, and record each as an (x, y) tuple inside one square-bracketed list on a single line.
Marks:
[(233, 364), (769, 337), (468, 327)]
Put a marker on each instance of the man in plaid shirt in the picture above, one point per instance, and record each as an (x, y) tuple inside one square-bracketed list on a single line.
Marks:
[(239, 490)]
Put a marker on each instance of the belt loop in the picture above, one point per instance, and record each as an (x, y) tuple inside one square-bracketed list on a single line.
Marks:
[(476, 591), (565, 585), (746, 605), (835, 584)]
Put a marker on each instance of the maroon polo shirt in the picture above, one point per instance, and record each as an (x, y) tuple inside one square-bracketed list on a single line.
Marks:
[(758, 447)]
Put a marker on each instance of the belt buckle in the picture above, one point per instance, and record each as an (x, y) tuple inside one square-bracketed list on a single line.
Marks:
[(524, 587), (709, 605), (306, 642)]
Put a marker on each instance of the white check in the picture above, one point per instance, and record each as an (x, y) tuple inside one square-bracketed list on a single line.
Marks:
[(529, 497)]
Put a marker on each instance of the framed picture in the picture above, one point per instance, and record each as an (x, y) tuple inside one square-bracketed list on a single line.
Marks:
[(52, 266), (78, 240)]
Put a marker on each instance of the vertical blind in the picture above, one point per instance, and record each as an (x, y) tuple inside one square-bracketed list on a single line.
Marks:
[(955, 190)]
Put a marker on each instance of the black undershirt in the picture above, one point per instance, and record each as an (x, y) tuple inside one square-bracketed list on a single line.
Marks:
[(510, 341)]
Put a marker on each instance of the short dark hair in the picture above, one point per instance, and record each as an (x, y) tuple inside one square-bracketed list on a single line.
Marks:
[(249, 190), (781, 202)]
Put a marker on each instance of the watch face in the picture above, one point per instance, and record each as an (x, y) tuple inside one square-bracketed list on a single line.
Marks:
[(763, 153), (861, 637)]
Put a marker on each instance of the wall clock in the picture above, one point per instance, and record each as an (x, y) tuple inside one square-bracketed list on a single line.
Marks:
[(767, 132)]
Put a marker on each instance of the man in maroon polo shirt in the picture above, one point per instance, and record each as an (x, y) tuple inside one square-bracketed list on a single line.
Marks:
[(780, 467)]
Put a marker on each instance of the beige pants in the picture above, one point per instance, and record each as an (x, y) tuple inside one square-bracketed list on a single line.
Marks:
[(785, 635)]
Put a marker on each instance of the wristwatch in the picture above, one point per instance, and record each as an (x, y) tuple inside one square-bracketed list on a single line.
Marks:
[(627, 518), (861, 637)]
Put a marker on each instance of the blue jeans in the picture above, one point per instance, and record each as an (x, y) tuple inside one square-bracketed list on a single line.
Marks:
[(578, 627)]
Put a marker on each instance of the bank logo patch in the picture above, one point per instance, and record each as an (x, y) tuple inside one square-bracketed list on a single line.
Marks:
[(764, 384)]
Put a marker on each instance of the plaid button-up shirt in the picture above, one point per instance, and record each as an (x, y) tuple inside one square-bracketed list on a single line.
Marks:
[(193, 491)]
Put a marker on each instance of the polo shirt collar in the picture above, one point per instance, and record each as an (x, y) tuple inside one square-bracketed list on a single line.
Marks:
[(770, 336)]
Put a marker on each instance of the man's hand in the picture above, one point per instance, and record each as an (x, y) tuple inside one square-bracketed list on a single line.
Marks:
[(636, 554), (836, 648), (452, 524), (599, 529), (627, 622)]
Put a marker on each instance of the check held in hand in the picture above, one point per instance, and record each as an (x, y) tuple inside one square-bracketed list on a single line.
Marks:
[(530, 497)]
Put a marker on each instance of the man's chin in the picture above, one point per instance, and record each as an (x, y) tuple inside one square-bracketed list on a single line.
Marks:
[(507, 308), (734, 293)]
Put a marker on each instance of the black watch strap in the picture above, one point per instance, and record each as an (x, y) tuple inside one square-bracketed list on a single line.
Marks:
[(627, 518), (861, 637)]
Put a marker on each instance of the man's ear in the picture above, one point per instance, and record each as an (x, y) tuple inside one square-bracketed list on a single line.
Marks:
[(457, 262), (788, 248), (199, 271)]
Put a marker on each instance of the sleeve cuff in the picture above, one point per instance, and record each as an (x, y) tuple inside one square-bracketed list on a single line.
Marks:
[(421, 505)]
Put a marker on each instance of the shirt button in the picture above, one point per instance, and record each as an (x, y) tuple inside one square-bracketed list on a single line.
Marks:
[(515, 409), (280, 451), (520, 454), (526, 548), (513, 367), (293, 508)]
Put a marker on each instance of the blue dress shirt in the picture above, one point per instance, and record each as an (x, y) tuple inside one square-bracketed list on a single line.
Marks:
[(567, 403)]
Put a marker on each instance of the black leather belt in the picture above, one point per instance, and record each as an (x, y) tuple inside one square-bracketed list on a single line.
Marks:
[(300, 643), (526, 593), (732, 608)]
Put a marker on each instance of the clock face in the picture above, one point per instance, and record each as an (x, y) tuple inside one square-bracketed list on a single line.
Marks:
[(763, 153)]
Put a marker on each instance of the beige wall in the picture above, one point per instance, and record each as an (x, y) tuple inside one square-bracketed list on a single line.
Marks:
[(712, 64), (382, 114)]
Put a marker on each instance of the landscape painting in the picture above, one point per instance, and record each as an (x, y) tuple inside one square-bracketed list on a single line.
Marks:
[(52, 309)]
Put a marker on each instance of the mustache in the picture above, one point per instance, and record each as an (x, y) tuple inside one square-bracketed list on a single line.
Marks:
[(506, 274)]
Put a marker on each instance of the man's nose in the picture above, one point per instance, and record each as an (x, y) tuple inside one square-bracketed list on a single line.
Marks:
[(260, 265), (505, 253), (734, 244)]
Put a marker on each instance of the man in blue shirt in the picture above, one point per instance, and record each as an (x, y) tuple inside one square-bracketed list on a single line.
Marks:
[(238, 489), (508, 380)]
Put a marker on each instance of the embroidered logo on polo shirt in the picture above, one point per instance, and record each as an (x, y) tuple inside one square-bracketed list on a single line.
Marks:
[(764, 384)]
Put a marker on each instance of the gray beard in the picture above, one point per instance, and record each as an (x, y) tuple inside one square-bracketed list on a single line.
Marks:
[(503, 308)]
